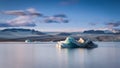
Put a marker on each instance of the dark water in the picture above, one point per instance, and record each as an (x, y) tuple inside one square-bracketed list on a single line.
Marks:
[(46, 55)]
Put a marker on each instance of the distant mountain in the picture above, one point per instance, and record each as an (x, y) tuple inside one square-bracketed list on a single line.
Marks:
[(102, 31), (64, 34), (23, 30), (33, 35), (18, 33), (94, 32)]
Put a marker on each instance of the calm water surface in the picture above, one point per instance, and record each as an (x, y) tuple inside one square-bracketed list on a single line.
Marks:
[(46, 55)]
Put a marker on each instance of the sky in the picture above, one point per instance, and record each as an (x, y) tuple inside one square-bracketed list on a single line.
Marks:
[(60, 15)]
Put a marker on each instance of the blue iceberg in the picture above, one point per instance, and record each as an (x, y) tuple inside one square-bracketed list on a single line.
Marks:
[(70, 42)]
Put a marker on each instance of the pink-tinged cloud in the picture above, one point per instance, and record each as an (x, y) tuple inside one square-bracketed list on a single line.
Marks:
[(21, 21), (30, 11), (33, 12), (15, 12), (29, 17), (112, 25)]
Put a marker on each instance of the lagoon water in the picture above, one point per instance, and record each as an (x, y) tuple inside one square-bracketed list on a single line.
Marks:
[(46, 55)]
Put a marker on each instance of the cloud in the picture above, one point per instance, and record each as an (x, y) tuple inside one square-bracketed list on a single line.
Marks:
[(114, 24), (21, 21), (15, 12), (93, 24), (60, 15), (23, 18), (9, 25), (30, 17), (30, 11), (56, 19), (4, 25), (69, 2)]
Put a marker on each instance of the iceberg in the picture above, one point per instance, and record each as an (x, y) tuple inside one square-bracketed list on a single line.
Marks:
[(27, 40), (70, 42)]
